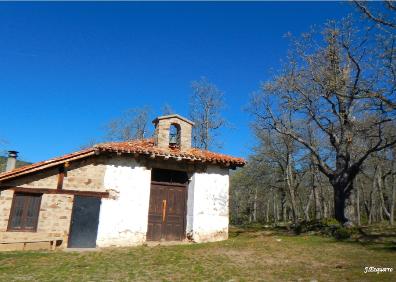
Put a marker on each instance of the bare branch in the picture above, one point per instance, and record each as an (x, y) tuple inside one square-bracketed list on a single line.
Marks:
[(371, 16)]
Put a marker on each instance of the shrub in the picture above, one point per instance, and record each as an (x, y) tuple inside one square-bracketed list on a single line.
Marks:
[(342, 233), (297, 228), (330, 221), (329, 227), (309, 226)]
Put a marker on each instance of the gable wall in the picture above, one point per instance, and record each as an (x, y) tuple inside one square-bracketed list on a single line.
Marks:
[(84, 175)]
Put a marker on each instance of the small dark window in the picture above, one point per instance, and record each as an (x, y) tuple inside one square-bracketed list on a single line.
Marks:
[(171, 176), (24, 212)]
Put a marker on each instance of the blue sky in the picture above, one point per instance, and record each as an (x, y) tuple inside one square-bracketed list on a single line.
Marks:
[(66, 69)]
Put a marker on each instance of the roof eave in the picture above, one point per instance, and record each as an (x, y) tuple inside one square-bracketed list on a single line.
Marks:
[(46, 164), (227, 163)]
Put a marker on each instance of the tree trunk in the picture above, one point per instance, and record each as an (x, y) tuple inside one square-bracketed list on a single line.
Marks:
[(255, 206), (393, 183), (323, 199), (277, 209), (392, 209), (283, 205), (306, 209), (380, 213), (380, 185), (371, 210), (291, 190), (343, 204), (268, 210), (325, 212), (274, 203), (317, 203), (366, 204), (316, 180), (358, 205)]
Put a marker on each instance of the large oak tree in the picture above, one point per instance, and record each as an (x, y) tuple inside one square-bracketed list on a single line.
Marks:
[(335, 95)]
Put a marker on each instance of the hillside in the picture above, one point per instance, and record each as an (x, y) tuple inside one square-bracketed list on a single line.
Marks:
[(3, 162)]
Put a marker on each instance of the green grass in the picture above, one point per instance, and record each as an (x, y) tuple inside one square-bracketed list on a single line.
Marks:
[(249, 255)]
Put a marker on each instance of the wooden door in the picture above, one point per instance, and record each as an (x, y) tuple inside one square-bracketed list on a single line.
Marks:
[(84, 223), (167, 212)]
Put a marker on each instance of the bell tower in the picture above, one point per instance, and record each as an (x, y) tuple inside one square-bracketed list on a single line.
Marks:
[(173, 131)]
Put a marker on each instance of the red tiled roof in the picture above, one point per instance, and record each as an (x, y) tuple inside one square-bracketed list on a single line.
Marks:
[(140, 147), (147, 147)]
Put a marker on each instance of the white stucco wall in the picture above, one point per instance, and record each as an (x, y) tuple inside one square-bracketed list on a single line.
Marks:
[(123, 218), (207, 205)]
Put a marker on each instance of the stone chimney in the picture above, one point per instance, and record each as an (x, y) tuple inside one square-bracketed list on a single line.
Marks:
[(173, 131), (11, 160)]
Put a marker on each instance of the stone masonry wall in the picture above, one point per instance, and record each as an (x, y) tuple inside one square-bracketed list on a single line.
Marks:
[(5, 207), (47, 179), (162, 133), (84, 175), (87, 175), (53, 222), (55, 210)]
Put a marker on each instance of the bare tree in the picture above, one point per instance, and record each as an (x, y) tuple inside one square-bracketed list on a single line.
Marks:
[(383, 183), (205, 111), (247, 193), (133, 124), (384, 17), (341, 88), (280, 152)]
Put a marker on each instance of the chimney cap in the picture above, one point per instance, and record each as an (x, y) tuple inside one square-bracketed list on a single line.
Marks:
[(12, 154)]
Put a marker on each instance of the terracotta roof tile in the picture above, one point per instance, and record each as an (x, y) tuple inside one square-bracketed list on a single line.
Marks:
[(140, 147), (147, 147)]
